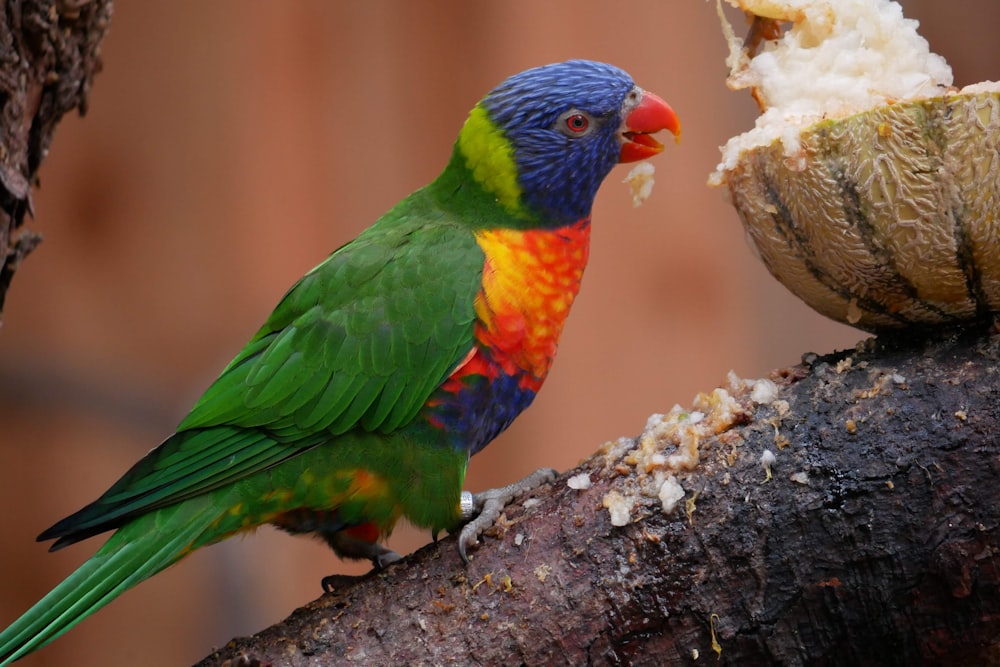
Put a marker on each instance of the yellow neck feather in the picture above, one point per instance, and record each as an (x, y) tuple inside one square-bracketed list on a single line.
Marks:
[(490, 158)]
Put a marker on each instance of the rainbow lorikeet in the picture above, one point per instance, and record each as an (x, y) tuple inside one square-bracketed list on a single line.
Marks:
[(387, 366)]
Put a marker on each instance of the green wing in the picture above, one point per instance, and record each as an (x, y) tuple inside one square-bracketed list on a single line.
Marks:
[(361, 341)]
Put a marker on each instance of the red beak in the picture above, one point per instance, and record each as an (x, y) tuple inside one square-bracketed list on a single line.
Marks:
[(649, 117)]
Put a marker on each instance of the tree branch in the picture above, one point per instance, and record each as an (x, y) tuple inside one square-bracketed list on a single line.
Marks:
[(873, 542), (49, 55)]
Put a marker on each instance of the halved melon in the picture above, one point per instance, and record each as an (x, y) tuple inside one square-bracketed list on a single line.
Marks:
[(880, 206)]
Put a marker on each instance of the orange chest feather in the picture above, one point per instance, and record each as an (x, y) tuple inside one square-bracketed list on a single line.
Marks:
[(530, 279)]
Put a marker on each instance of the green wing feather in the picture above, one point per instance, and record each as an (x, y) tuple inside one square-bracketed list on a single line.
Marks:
[(361, 341), (377, 319)]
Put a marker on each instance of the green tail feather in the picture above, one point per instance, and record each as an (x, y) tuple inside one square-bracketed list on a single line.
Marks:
[(136, 552)]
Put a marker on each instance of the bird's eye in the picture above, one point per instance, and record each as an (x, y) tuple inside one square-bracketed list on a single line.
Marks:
[(575, 123)]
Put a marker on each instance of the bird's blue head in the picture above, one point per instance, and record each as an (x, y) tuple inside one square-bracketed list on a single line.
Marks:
[(543, 140)]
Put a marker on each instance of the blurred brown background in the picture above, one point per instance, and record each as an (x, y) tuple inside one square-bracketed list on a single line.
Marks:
[(231, 145)]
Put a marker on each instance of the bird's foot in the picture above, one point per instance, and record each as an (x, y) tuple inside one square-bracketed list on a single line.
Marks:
[(481, 510), (383, 557), (348, 546)]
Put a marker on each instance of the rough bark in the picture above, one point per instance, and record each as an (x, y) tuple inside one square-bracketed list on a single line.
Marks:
[(49, 55), (874, 542)]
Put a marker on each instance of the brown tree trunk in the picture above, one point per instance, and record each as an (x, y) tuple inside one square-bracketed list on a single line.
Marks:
[(871, 540), (49, 55)]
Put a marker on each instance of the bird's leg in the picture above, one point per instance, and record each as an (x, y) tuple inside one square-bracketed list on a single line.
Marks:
[(481, 510)]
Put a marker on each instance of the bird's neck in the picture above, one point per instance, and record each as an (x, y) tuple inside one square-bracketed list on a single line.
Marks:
[(478, 205), (483, 185)]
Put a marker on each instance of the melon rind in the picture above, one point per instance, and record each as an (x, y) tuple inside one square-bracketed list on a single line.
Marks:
[(883, 219)]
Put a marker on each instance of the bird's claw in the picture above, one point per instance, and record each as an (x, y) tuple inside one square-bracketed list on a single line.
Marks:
[(481, 510), (332, 582)]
